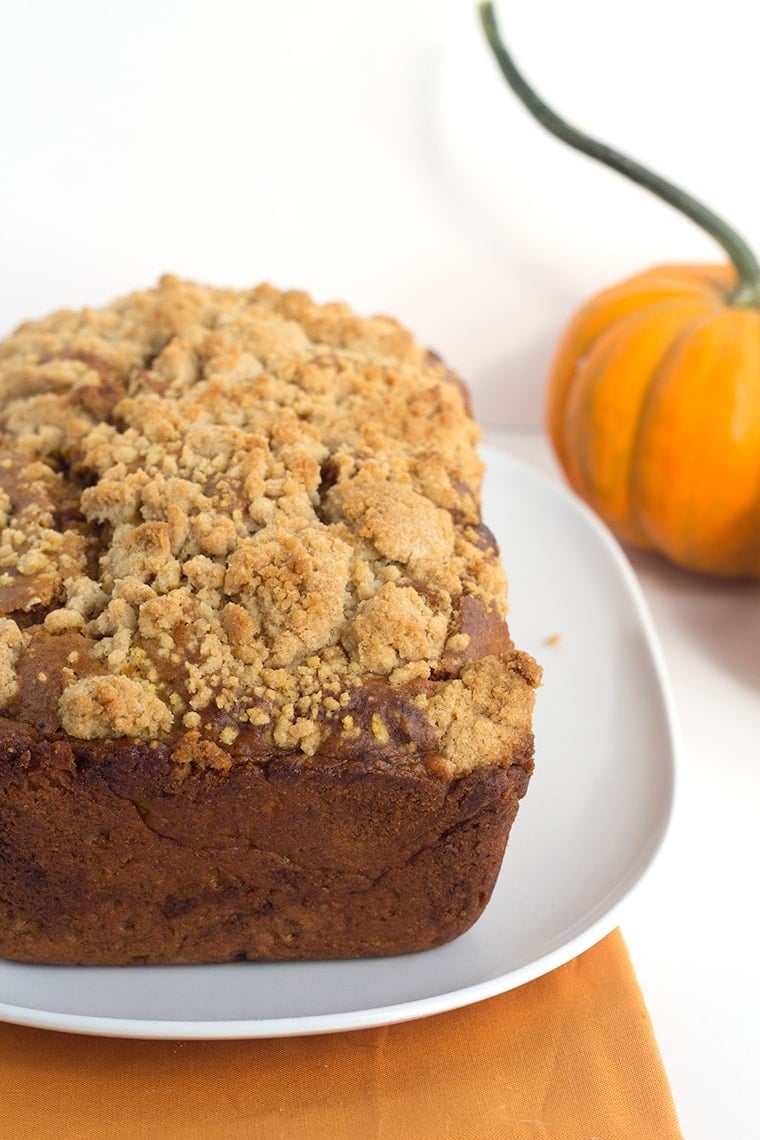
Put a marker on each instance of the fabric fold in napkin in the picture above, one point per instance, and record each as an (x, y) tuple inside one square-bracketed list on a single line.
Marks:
[(570, 1056)]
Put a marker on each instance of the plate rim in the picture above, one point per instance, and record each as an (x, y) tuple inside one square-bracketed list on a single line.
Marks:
[(323, 1024), (432, 1005)]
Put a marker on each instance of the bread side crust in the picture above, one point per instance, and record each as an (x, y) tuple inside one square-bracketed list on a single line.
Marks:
[(108, 859)]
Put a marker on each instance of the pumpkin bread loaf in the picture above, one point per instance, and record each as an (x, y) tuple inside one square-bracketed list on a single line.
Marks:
[(258, 698)]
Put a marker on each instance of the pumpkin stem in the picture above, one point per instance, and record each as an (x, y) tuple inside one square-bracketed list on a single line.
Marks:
[(747, 292)]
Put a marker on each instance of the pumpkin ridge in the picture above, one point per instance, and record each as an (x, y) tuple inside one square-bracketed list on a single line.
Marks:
[(591, 323), (752, 566), (657, 378), (709, 535), (605, 401)]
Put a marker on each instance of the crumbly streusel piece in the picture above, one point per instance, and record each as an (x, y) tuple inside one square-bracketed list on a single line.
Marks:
[(226, 513)]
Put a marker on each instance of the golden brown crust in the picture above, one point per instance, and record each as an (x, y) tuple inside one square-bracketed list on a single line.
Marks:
[(228, 514)]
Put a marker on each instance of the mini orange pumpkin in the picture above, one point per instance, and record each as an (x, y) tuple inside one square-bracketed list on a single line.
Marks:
[(654, 396)]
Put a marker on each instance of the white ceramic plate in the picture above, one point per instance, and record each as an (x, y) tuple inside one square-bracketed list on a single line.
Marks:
[(595, 815)]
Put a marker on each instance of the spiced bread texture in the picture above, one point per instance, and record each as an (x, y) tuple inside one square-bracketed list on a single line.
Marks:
[(258, 698)]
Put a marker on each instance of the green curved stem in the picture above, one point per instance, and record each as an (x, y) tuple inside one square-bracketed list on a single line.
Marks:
[(747, 293)]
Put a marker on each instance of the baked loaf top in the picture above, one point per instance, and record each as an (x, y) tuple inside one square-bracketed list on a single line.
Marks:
[(246, 522)]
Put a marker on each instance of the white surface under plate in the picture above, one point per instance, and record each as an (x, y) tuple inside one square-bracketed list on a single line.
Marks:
[(595, 815)]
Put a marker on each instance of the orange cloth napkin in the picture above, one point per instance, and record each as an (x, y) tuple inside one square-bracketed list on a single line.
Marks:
[(571, 1055)]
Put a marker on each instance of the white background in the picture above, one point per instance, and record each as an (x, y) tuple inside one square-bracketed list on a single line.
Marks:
[(368, 150)]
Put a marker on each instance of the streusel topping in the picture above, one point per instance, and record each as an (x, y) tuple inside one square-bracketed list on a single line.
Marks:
[(226, 513)]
